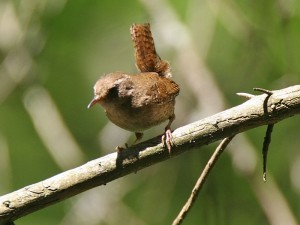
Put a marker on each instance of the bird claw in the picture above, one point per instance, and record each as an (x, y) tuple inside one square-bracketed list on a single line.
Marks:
[(167, 139), (119, 149)]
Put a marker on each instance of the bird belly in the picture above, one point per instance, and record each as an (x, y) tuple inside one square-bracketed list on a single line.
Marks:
[(141, 118)]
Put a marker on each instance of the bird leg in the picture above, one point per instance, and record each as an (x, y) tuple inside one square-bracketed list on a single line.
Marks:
[(139, 136), (167, 137)]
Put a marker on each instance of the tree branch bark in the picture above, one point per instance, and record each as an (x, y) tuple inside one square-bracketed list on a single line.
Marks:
[(257, 111)]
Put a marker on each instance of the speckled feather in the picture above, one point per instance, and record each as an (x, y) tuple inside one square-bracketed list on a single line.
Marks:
[(147, 60)]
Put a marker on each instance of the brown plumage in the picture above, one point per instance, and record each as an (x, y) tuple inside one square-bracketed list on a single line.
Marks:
[(146, 58), (138, 102)]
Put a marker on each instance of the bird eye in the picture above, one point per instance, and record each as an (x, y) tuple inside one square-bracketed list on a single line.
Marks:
[(113, 92)]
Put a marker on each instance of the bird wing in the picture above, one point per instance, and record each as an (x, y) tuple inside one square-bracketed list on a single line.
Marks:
[(156, 90)]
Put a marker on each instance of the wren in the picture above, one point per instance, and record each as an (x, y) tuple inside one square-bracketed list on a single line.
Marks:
[(138, 102)]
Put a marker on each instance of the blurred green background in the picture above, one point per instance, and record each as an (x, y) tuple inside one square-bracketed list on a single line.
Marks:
[(53, 51)]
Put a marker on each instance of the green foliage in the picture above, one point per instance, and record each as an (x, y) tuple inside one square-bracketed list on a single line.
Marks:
[(60, 48)]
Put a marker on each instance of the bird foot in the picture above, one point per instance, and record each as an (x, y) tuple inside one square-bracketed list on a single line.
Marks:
[(119, 149)]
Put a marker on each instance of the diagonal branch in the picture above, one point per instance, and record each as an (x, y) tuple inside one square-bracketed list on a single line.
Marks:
[(201, 180), (282, 104)]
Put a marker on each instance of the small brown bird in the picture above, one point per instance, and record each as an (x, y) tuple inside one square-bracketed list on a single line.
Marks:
[(138, 102)]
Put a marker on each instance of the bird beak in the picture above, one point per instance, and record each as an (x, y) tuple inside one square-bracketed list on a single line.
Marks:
[(93, 102)]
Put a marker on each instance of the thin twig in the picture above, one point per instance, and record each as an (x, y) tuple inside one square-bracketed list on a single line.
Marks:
[(245, 95), (267, 139), (268, 92), (266, 144), (200, 182)]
